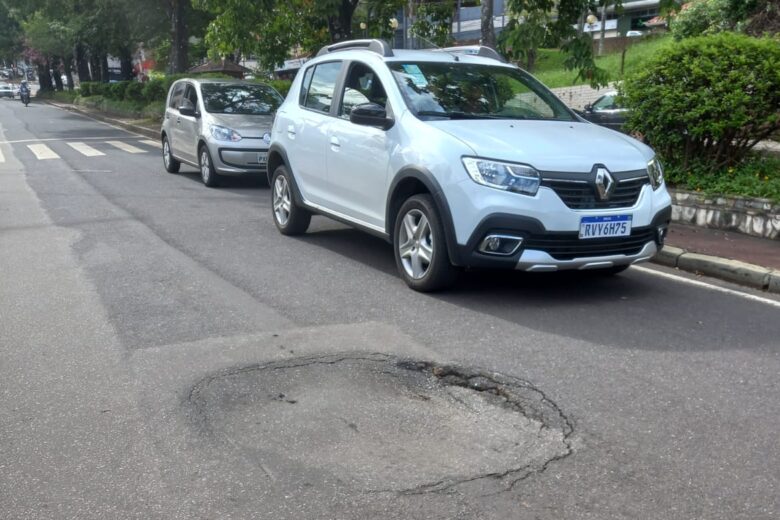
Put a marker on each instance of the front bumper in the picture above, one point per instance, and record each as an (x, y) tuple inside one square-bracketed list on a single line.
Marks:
[(543, 250), (230, 160)]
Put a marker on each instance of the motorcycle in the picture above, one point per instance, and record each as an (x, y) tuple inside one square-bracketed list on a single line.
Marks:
[(25, 96)]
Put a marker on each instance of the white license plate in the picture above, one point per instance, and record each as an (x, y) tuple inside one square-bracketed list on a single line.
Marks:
[(604, 227), (262, 158)]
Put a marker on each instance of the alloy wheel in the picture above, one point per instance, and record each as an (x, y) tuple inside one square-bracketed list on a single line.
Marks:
[(205, 166), (282, 201), (166, 154), (415, 246)]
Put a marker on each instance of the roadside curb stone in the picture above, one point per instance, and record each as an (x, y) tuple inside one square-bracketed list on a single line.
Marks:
[(774, 282), (729, 270), (146, 132), (669, 256)]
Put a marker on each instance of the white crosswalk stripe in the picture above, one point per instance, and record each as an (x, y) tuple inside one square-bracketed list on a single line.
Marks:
[(2, 157), (129, 148), (42, 152), (85, 149), (150, 142)]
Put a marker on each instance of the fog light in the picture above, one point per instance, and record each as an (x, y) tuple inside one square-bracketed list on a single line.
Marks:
[(661, 234), (503, 245)]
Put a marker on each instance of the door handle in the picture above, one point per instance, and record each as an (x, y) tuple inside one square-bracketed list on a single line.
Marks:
[(291, 131), (335, 144)]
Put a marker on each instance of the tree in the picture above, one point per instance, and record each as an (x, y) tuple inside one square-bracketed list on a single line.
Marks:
[(488, 31), (557, 21), (433, 20)]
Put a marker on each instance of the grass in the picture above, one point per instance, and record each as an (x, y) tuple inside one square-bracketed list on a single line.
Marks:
[(757, 176), (550, 70)]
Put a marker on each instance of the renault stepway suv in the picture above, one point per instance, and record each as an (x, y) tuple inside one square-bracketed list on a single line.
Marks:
[(220, 127), (460, 160)]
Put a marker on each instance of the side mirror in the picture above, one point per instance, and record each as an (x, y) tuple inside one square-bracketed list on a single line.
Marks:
[(371, 114), (187, 108), (588, 108)]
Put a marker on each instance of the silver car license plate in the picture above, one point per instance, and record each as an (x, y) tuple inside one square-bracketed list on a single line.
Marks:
[(605, 227), (262, 157)]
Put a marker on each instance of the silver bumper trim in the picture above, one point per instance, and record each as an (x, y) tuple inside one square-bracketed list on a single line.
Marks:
[(538, 261)]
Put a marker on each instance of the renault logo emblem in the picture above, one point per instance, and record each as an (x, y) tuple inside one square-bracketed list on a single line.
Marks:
[(604, 183)]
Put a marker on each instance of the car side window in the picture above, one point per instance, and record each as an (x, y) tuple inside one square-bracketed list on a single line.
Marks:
[(192, 95), (178, 90), (319, 95), (362, 86), (605, 103), (305, 86)]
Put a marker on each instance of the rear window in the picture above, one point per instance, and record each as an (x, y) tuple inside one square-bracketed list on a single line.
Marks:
[(319, 95)]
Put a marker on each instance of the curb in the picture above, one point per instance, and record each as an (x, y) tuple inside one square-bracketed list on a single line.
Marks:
[(734, 271), (146, 132)]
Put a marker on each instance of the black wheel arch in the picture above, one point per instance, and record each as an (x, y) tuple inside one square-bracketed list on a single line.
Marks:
[(277, 156), (411, 181)]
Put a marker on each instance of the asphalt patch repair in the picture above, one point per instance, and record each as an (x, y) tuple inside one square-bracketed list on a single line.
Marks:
[(376, 423)]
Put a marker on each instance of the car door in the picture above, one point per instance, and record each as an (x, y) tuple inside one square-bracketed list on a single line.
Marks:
[(305, 131), (172, 114), (606, 112), (187, 128), (358, 156)]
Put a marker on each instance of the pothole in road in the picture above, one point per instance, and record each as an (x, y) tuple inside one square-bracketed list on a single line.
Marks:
[(380, 423)]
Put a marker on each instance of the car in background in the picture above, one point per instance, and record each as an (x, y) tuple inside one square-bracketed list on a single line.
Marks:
[(6, 90), (606, 111), (221, 127), (634, 34)]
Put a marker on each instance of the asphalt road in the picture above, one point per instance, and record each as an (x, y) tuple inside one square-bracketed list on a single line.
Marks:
[(166, 353)]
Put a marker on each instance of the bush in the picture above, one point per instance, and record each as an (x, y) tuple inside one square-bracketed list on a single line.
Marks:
[(117, 90), (88, 88), (134, 91), (281, 85), (705, 102), (756, 176), (154, 90)]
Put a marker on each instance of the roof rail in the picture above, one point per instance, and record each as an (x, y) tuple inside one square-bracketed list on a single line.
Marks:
[(474, 50), (380, 47)]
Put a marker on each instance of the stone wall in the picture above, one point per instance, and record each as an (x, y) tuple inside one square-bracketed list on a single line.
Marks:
[(756, 217), (580, 95)]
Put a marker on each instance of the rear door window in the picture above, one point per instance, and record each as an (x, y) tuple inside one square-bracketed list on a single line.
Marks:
[(319, 95)]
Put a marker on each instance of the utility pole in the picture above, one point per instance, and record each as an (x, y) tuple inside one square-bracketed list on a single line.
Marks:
[(603, 25)]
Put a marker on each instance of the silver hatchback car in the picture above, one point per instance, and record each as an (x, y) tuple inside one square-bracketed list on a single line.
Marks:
[(221, 127)]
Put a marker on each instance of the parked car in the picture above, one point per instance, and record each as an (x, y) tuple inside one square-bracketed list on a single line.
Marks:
[(221, 127), (460, 161), (6, 90), (606, 111)]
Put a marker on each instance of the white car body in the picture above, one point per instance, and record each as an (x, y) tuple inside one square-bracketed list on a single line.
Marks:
[(353, 172)]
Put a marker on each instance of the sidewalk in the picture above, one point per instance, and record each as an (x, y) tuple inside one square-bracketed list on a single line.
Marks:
[(730, 256)]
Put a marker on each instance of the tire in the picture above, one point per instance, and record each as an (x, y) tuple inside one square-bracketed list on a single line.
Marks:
[(418, 239), (171, 164), (290, 218), (208, 174)]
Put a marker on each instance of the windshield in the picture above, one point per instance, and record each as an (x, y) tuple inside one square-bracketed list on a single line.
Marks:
[(225, 98), (471, 91)]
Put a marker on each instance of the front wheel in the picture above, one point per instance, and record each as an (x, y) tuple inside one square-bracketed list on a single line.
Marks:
[(171, 164), (207, 172), (421, 247), (290, 219)]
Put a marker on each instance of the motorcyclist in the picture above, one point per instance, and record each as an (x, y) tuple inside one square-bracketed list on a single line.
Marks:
[(24, 91)]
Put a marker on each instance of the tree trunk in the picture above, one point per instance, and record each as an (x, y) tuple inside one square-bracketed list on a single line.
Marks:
[(488, 31), (126, 63), (56, 74), (97, 70), (44, 78), (82, 63), (603, 26), (340, 26), (179, 39), (68, 62), (530, 59), (105, 76)]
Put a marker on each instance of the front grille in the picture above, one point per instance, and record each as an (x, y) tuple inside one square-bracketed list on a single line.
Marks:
[(583, 195), (568, 246)]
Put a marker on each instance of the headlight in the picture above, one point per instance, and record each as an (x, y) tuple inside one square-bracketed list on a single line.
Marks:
[(656, 173), (519, 178), (222, 133)]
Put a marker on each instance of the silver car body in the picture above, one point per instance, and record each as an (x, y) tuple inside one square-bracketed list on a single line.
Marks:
[(188, 133), (6, 90)]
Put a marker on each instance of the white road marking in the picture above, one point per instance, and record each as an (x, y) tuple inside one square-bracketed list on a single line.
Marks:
[(85, 149), (42, 152), (2, 157), (149, 142), (49, 139), (129, 148), (706, 285)]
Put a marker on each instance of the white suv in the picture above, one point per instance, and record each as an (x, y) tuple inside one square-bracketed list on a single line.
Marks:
[(460, 160)]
